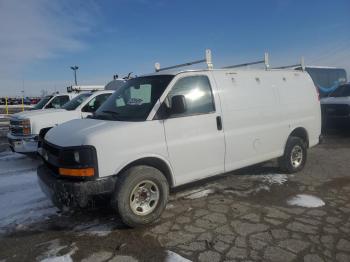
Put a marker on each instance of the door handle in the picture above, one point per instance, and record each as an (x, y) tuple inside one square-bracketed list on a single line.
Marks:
[(218, 123)]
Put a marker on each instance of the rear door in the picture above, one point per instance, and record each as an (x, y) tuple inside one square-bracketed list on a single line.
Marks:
[(195, 139)]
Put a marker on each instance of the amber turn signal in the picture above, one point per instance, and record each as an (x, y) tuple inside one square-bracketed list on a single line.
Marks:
[(78, 172)]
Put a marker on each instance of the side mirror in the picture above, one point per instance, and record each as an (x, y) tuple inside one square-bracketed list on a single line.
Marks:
[(178, 104)]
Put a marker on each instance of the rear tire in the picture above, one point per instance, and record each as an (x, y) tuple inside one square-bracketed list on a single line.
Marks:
[(294, 157), (141, 195)]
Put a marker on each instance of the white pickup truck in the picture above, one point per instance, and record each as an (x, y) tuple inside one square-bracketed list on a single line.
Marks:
[(26, 126), (57, 100)]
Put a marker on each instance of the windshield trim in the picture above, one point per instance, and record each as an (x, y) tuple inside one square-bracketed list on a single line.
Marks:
[(42, 99)]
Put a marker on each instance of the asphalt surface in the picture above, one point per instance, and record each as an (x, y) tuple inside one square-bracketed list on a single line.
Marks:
[(246, 215)]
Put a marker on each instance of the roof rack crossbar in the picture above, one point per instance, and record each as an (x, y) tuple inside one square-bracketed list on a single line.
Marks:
[(288, 66), (206, 60), (264, 61), (302, 65)]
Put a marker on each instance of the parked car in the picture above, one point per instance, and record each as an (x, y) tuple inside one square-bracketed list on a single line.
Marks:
[(167, 129), (336, 107)]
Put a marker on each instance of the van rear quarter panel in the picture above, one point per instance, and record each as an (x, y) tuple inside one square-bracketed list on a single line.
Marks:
[(259, 111)]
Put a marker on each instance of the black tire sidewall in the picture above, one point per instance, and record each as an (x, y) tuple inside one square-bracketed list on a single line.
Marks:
[(285, 162), (127, 182)]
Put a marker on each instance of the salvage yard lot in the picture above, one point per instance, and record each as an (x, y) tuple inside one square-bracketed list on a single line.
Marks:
[(252, 214)]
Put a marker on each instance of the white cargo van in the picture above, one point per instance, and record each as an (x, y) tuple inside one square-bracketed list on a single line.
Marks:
[(26, 126), (170, 128)]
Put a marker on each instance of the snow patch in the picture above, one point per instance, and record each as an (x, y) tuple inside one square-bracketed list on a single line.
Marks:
[(173, 257), (247, 192), (6, 156), (63, 258), (199, 193), (279, 179), (169, 206), (54, 247), (304, 200), (21, 200), (271, 179)]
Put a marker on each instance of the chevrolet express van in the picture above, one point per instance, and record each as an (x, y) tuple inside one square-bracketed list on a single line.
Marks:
[(171, 128)]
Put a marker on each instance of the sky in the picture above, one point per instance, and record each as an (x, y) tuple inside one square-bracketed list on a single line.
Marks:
[(41, 39)]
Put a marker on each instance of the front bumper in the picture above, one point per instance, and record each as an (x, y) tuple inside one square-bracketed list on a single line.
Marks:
[(64, 192), (23, 144)]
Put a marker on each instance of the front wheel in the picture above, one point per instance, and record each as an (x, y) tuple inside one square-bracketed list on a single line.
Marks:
[(294, 157), (141, 195)]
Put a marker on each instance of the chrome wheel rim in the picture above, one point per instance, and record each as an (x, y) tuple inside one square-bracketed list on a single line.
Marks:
[(144, 198), (296, 157)]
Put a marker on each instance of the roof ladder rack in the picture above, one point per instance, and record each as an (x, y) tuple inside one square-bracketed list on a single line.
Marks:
[(302, 65), (207, 60), (265, 61)]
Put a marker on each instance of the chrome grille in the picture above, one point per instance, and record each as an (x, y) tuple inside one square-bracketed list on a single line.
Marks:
[(16, 127)]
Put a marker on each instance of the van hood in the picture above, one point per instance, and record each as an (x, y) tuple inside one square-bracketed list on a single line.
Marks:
[(47, 118), (82, 131), (335, 100)]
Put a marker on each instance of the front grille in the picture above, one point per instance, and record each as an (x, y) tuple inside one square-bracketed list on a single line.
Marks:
[(336, 110), (16, 127), (16, 130), (53, 168)]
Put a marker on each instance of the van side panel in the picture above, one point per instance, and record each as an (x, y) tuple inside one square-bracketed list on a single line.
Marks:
[(256, 122), (300, 105)]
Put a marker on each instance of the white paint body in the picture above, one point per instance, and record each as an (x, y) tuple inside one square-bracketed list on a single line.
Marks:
[(40, 119), (259, 110)]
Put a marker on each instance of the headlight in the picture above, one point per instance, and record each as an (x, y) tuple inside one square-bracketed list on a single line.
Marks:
[(78, 162), (78, 157)]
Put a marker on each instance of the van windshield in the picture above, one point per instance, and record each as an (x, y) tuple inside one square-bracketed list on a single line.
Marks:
[(134, 100), (42, 102), (76, 101)]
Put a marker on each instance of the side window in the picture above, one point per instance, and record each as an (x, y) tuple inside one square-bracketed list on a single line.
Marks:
[(63, 100), (95, 103), (197, 93), (58, 102), (55, 103)]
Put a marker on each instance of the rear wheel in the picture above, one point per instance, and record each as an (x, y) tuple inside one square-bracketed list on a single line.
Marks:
[(141, 195), (294, 157)]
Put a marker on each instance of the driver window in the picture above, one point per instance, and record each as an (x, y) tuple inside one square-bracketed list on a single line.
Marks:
[(95, 103), (198, 95)]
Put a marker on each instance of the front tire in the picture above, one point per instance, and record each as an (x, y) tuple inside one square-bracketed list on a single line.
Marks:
[(295, 155), (141, 195)]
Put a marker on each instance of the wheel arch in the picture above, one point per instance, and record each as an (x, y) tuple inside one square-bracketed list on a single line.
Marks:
[(302, 133), (155, 162)]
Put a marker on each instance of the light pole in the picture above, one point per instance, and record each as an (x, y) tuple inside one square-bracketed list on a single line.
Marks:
[(75, 68)]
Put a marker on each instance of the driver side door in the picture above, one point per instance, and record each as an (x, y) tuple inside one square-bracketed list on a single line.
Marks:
[(195, 139)]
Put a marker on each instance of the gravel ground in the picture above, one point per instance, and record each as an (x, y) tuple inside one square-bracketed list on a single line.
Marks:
[(254, 214)]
